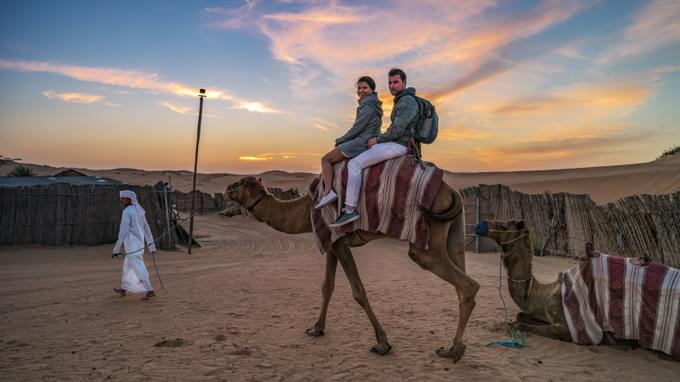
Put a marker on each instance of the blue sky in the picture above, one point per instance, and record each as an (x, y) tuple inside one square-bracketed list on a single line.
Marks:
[(517, 84)]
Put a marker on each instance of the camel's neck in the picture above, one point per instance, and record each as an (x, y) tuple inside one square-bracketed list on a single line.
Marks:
[(289, 216), (524, 289)]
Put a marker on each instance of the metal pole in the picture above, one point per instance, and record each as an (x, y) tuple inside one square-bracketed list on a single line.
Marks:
[(171, 237), (201, 95), (477, 218)]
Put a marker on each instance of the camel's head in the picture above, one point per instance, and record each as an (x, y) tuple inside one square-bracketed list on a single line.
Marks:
[(501, 231), (513, 237), (247, 191)]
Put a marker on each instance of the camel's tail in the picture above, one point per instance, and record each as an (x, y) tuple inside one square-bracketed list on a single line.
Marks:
[(451, 213)]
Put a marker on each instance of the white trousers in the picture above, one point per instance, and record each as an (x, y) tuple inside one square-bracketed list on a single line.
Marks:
[(135, 278), (378, 153)]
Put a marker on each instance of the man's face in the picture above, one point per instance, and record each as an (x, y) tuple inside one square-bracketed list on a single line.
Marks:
[(396, 84), (125, 201)]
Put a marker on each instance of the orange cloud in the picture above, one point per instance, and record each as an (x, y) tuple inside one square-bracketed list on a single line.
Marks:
[(74, 97), (274, 156), (130, 79), (457, 133), (176, 108), (570, 145), (580, 96)]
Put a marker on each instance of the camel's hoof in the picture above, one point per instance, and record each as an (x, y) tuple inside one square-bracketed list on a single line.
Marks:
[(314, 332), (381, 349), (455, 352)]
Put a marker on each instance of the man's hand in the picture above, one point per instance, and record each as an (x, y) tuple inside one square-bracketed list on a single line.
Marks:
[(372, 142)]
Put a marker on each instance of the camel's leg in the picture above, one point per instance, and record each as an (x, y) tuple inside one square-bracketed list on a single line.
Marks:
[(437, 261), (556, 332), (455, 241), (326, 291), (343, 253)]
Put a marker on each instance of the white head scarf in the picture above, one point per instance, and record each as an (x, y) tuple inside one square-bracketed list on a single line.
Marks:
[(133, 198)]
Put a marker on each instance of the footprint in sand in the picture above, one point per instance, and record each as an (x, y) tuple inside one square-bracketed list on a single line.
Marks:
[(177, 342)]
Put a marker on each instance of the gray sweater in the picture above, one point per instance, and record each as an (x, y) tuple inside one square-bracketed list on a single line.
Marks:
[(366, 125), (403, 115)]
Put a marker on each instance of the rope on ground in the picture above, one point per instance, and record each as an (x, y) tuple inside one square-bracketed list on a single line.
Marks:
[(516, 340)]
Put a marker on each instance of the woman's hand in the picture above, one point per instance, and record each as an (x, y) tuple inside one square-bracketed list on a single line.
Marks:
[(371, 142)]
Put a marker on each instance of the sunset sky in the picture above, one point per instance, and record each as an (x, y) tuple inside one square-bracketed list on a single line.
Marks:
[(518, 85)]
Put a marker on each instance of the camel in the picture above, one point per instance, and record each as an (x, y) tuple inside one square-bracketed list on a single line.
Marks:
[(541, 304), (445, 256)]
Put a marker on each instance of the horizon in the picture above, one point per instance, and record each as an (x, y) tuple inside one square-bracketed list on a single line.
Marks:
[(21, 162), (519, 86)]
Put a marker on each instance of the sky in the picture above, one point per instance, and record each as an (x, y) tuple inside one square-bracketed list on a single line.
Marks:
[(518, 85)]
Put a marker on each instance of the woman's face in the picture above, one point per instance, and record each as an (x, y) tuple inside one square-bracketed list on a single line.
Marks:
[(363, 89)]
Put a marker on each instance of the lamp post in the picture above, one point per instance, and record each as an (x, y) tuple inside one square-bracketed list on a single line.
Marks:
[(201, 95)]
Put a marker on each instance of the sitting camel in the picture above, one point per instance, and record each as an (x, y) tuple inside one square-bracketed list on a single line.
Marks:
[(445, 256), (541, 304), (588, 302)]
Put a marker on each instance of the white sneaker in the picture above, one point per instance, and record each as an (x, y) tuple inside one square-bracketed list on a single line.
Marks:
[(328, 198)]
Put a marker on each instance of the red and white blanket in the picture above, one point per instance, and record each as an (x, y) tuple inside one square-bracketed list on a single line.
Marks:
[(612, 294), (391, 196)]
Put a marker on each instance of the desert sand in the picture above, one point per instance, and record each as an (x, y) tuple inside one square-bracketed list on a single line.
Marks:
[(237, 308)]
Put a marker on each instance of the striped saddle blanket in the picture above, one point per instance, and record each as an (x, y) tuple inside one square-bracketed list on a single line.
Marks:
[(392, 193), (612, 294)]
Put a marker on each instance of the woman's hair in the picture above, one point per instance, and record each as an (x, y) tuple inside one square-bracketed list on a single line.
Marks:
[(368, 80)]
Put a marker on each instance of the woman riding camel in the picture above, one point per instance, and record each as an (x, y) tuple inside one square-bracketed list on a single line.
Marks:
[(354, 142)]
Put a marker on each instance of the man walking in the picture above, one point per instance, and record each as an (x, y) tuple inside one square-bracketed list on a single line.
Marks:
[(134, 232)]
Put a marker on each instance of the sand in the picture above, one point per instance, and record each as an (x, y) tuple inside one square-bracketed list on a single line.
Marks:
[(237, 310)]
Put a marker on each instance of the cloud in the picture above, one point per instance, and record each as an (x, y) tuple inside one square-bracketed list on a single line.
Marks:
[(458, 133), (321, 124), (598, 96), (654, 26), (257, 107), (130, 79), (74, 97), (254, 158), (273, 156), (328, 44), (176, 108), (564, 146)]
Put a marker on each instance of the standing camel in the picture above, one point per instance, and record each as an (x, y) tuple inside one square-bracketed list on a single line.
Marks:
[(445, 256)]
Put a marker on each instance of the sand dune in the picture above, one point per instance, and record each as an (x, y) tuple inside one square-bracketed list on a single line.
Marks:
[(237, 309), (603, 184)]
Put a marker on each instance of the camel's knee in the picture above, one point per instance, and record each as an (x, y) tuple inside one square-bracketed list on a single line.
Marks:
[(359, 295), (469, 292), (416, 259)]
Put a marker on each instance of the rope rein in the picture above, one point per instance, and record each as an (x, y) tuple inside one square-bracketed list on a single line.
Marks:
[(517, 340)]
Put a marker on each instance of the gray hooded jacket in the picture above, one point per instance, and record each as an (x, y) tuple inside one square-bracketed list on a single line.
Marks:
[(366, 125), (403, 115)]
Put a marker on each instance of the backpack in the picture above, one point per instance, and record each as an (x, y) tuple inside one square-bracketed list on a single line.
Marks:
[(426, 125)]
